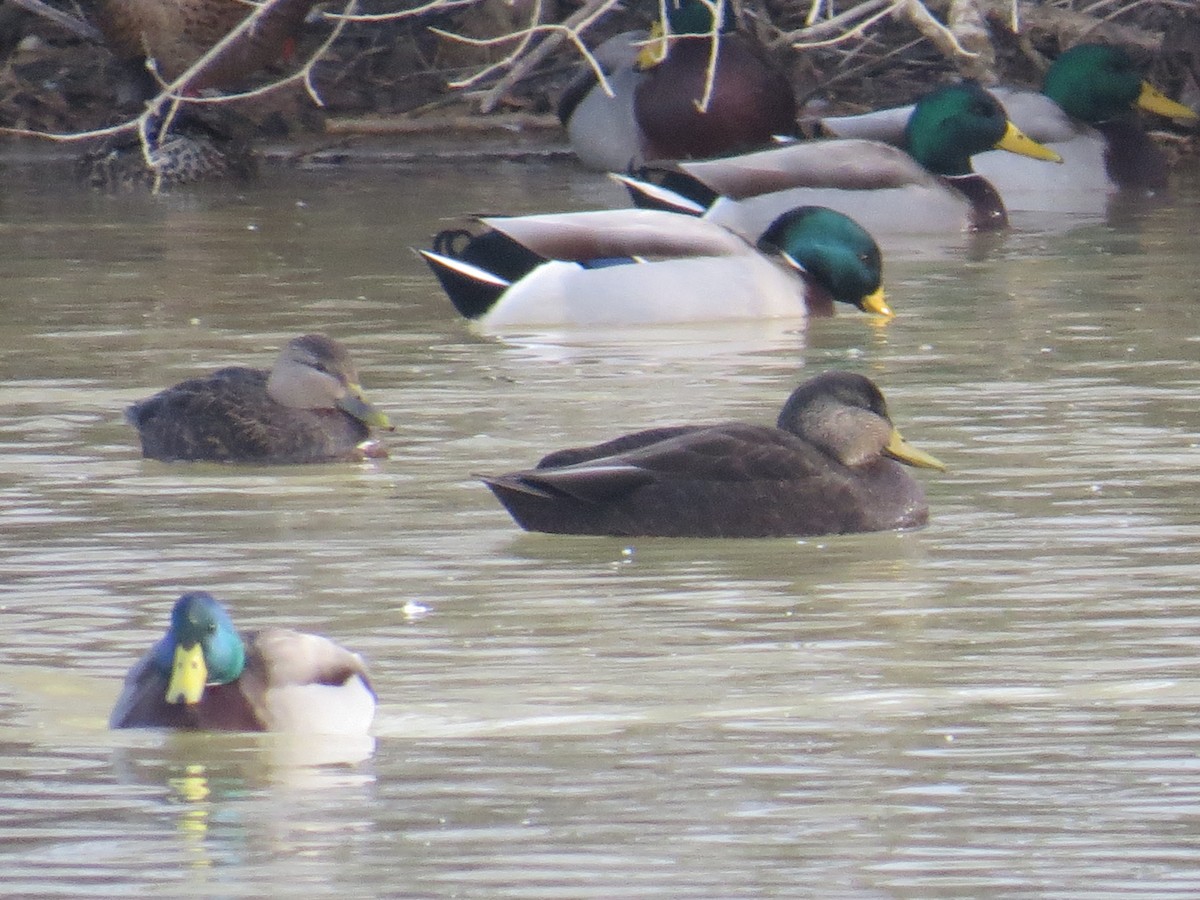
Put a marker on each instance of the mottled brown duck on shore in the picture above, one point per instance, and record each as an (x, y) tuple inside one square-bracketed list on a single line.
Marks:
[(309, 408)]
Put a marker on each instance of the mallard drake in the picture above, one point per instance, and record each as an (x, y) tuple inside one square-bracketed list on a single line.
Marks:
[(176, 33), (930, 187), (203, 675), (1086, 112), (595, 268), (199, 145), (827, 467), (657, 83), (308, 408)]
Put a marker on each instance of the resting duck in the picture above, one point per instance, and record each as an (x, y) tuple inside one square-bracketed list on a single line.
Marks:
[(201, 145), (626, 267), (176, 33), (1086, 112), (656, 86), (203, 675), (931, 188), (308, 408), (827, 467)]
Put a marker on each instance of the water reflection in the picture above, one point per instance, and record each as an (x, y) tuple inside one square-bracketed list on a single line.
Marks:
[(882, 715)]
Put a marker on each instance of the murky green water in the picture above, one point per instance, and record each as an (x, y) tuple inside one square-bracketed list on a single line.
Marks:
[(1002, 704)]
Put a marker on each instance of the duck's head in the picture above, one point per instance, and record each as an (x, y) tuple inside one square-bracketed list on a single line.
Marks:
[(1096, 83), (835, 251), (684, 18), (200, 648), (315, 372), (844, 414), (950, 125)]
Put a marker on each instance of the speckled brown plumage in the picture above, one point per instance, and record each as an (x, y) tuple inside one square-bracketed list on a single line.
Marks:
[(230, 416), (176, 33), (821, 471), (202, 145)]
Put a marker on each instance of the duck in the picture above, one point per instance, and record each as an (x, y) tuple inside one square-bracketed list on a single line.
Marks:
[(649, 267), (828, 466), (176, 33), (657, 79), (927, 187), (308, 408), (203, 675), (199, 145), (1086, 112)]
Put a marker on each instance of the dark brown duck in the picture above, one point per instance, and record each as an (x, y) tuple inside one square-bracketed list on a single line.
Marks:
[(829, 466), (308, 408)]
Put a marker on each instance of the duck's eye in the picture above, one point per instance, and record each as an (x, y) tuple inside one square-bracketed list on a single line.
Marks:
[(983, 110)]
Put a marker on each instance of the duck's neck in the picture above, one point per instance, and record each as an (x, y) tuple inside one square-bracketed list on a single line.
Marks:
[(987, 212), (1132, 159), (818, 302)]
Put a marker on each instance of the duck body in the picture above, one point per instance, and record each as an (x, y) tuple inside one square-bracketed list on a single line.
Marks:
[(198, 147), (204, 675), (308, 408), (1086, 113), (644, 267), (927, 187), (653, 112), (828, 467), (176, 33)]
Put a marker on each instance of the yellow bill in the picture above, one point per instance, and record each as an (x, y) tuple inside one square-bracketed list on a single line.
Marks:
[(1154, 100), (356, 404), (1016, 141), (877, 303), (654, 50), (898, 448), (189, 674)]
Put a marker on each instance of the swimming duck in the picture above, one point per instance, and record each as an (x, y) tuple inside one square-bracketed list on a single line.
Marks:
[(199, 145), (176, 33), (203, 675), (930, 188), (308, 408), (657, 83), (1086, 112), (623, 267), (827, 467)]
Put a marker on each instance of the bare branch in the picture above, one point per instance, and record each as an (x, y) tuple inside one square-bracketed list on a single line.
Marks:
[(76, 26)]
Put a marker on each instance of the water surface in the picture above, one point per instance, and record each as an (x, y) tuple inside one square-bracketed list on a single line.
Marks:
[(1001, 704)]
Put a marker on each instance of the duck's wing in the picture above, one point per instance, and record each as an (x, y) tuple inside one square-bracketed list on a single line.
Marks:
[(842, 164), (607, 472), (1039, 117), (612, 233), (306, 683), (885, 125), (623, 444), (217, 417)]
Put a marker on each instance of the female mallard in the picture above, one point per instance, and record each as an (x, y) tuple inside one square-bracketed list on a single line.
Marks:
[(203, 675), (176, 33), (308, 408), (826, 468), (929, 188), (1086, 112), (198, 145), (594, 268), (653, 113)]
